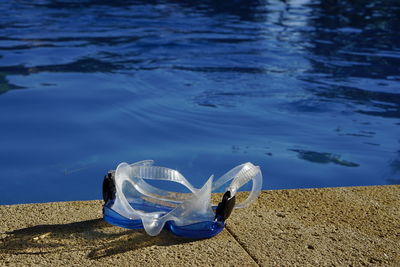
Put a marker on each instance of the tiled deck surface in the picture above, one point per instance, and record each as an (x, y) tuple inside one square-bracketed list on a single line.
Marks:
[(307, 227)]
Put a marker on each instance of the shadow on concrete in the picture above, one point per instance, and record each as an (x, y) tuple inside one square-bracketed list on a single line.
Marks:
[(95, 236)]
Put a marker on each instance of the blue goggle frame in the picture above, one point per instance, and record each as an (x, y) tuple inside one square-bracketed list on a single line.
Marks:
[(198, 230)]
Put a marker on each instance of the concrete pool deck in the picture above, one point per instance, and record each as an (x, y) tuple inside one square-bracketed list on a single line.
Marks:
[(350, 226)]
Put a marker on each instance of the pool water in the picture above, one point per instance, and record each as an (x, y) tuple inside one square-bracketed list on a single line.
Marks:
[(307, 89)]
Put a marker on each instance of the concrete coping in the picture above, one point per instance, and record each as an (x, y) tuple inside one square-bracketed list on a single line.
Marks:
[(351, 226)]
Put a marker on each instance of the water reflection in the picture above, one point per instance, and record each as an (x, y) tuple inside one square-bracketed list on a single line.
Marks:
[(354, 50), (244, 9), (323, 158), (5, 85)]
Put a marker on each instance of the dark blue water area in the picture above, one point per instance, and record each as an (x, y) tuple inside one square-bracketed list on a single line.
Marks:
[(309, 90)]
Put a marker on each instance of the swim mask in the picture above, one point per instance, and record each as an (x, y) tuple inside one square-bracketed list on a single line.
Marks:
[(133, 203)]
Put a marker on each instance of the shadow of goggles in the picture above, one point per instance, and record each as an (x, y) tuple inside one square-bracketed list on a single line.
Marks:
[(130, 202)]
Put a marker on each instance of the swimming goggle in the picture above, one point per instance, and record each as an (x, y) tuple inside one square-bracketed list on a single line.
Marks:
[(132, 203)]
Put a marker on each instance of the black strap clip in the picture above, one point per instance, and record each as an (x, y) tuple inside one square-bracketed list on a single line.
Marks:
[(225, 207), (108, 187)]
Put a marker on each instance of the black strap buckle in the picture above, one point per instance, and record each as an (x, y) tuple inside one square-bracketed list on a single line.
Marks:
[(108, 187), (225, 207)]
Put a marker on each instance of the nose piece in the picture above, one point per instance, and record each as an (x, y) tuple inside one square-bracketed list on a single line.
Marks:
[(152, 226)]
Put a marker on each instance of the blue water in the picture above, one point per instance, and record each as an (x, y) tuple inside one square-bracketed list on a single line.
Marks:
[(307, 89)]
